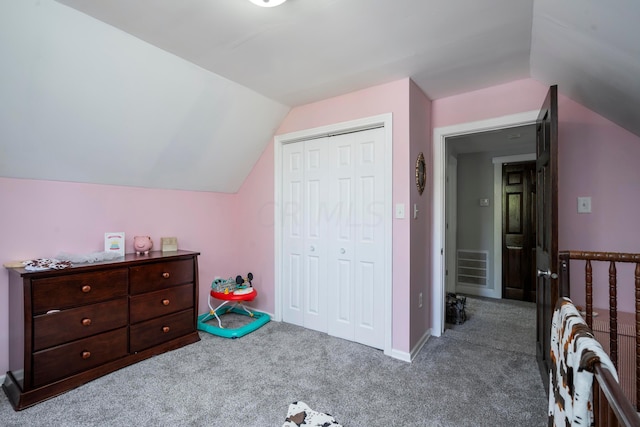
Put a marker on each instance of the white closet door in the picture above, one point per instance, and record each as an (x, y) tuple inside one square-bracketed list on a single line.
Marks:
[(369, 242), (292, 234), (333, 232), (356, 247), (315, 234)]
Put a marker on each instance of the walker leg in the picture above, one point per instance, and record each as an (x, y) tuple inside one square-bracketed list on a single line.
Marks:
[(247, 310), (214, 312)]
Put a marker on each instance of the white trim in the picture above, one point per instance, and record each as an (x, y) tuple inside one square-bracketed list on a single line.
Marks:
[(497, 214), (401, 355), (384, 120), (438, 217), (421, 342)]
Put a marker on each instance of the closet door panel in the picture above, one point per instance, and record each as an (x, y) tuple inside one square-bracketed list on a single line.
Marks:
[(369, 239), (315, 234), (293, 234), (341, 235)]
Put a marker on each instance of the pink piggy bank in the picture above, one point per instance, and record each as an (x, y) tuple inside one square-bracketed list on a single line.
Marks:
[(142, 244)]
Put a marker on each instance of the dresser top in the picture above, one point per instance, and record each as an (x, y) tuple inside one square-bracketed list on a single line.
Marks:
[(128, 260)]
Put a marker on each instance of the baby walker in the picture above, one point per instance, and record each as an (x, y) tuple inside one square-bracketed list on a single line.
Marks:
[(236, 290)]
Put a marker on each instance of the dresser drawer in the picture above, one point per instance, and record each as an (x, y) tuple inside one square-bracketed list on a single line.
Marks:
[(152, 332), (77, 356), (75, 323), (70, 290), (159, 303), (151, 277)]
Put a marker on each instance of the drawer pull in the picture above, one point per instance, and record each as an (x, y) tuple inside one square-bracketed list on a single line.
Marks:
[(86, 288), (165, 275), (165, 302), (165, 329), (86, 354), (86, 322)]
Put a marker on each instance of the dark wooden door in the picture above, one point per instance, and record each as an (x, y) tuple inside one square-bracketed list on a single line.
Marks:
[(547, 289), (518, 231)]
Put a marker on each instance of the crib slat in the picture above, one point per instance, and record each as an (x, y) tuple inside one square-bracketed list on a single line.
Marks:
[(613, 314), (637, 283)]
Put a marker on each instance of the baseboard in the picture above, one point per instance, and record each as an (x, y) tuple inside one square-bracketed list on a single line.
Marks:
[(401, 355), (477, 291), (423, 340), (408, 357)]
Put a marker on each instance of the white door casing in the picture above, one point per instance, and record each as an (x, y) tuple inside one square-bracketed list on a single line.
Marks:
[(357, 232), (439, 247)]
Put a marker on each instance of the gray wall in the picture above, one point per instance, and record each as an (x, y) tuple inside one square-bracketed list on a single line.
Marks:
[(475, 223)]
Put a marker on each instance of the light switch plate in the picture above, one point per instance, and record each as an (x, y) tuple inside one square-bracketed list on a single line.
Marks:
[(584, 204), (399, 210), (484, 202)]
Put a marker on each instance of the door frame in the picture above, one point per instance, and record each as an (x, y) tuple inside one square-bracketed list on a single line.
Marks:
[(383, 120), (438, 214)]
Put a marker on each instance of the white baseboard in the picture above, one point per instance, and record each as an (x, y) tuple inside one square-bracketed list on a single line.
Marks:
[(408, 357), (401, 355), (423, 340)]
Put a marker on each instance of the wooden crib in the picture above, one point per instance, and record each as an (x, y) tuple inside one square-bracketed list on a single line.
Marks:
[(613, 406)]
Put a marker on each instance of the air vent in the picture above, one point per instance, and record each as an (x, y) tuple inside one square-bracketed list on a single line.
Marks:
[(473, 267)]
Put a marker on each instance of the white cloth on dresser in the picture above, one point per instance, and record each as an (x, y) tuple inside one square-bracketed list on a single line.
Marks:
[(572, 343)]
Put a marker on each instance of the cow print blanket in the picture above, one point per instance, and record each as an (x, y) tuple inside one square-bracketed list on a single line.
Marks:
[(574, 350)]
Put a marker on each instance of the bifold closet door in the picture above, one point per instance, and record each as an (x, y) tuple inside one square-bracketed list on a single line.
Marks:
[(305, 187), (356, 232), (333, 235)]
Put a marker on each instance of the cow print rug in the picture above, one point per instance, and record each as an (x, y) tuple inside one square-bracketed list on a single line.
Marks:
[(300, 414)]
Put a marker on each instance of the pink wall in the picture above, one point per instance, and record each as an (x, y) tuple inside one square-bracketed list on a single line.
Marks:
[(596, 158), (43, 218), (420, 317), (257, 191), (599, 159)]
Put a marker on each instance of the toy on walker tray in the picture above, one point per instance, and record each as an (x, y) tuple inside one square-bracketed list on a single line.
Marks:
[(236, 290)]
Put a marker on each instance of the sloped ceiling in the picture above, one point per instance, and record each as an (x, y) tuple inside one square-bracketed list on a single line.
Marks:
[(308, 50)]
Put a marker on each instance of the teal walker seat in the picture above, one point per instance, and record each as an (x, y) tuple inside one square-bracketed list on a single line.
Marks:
[(236, 292)]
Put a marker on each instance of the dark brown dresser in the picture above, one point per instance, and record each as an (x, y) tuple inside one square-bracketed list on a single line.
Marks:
[(70, 326)]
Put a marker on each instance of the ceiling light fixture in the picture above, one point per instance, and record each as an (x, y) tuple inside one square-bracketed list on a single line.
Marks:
[(267, 3)]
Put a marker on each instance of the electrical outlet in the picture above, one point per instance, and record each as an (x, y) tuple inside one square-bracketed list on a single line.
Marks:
[(420, 300), (584, 204)]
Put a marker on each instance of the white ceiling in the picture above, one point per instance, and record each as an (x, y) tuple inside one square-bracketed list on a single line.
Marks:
[(308, 50), (187, 94)]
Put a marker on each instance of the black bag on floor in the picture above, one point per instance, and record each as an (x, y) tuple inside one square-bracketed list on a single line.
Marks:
[(455, 309)]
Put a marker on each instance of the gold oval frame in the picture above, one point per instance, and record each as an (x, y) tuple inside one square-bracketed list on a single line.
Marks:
[(421, 173)]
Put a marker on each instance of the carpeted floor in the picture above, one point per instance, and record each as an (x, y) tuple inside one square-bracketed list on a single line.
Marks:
[(465, 378)]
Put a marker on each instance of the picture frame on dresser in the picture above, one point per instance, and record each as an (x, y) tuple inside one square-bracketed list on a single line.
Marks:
[(71, 326)]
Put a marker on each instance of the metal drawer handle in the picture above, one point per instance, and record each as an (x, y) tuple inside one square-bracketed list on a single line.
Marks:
[(86, 354), (165, 329), (86, 321), (165, 302), (165, 275), (86, 288)]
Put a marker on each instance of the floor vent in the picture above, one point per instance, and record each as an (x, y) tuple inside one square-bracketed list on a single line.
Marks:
[(473, 267)]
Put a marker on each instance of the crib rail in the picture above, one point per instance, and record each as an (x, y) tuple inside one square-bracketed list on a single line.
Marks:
[(611, 407)]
